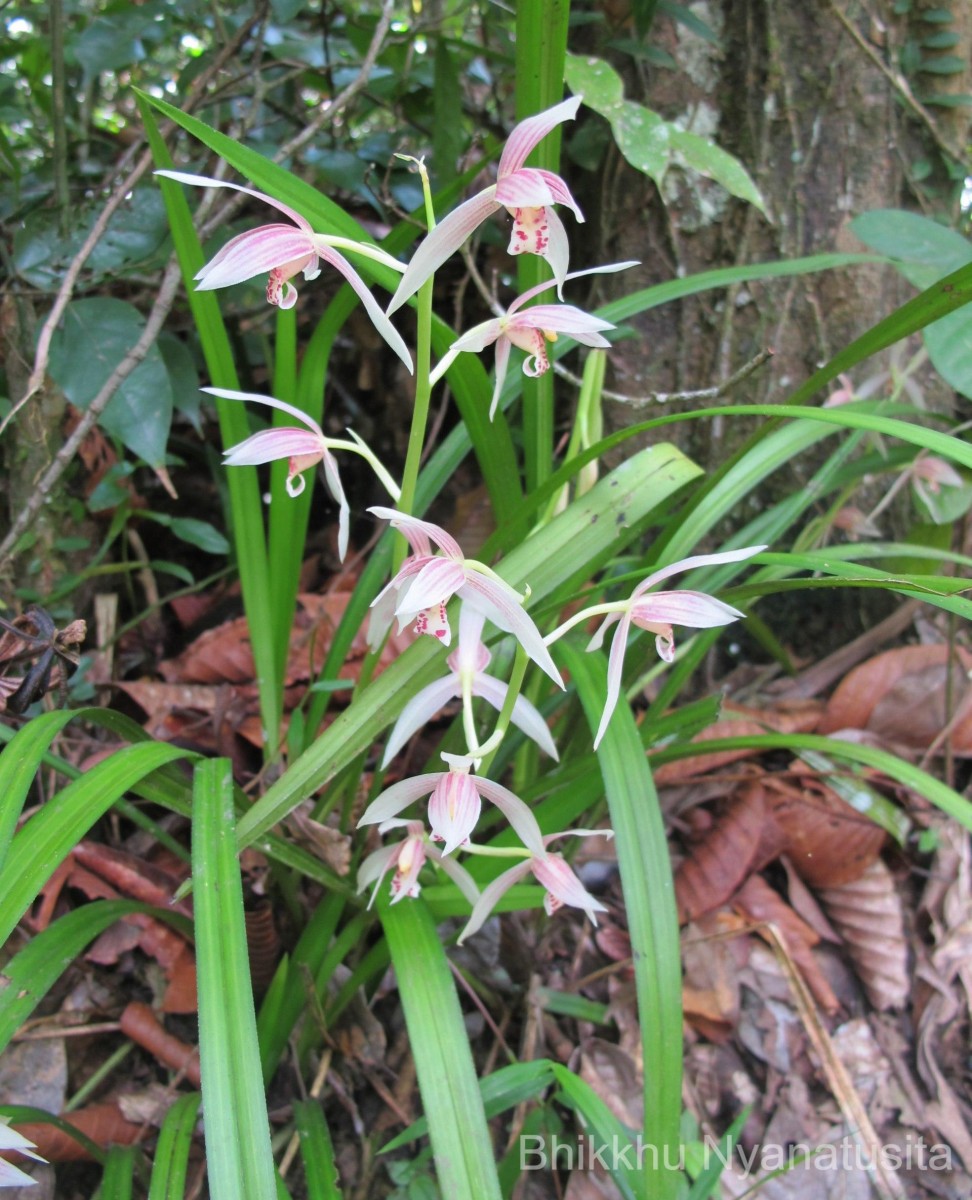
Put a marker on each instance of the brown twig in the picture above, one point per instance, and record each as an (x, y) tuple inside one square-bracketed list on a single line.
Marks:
[(121, 192)]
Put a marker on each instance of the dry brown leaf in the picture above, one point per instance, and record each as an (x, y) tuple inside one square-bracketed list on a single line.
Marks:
[(133, 876), (828, 842), (743, 839), (330, 845), (103, 1123), (903, 696), (615, 1077), (710, 984), (868, 914), (761, 903)]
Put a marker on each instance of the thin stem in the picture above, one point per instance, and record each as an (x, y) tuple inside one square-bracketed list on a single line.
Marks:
[(596, 610), (423, 388), (496, 851), (506, 713)]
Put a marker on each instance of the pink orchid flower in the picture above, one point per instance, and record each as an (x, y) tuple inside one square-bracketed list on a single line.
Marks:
[(467, 667), (426, 582), (527, 193), (657, 613), (455, 802), (552, 872), (408, 857), (303, 448), (285, 250), (530, 331)]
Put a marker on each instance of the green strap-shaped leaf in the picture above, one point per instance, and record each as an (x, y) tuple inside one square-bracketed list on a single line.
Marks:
[(47, 838), (649, 899), (172, 1150), (116, 1182), (238, 1151), (439, 1042), (316, 1151), (38, 966)]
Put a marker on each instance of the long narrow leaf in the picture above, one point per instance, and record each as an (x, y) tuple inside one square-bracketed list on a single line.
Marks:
[(47, 838), (316, 1151), (38, 966), (649, 900), (172, 1150), (238, 1151), (440, 1046)]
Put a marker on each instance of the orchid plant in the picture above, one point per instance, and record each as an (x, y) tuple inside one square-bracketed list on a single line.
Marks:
[(513, 668), (436, 573)]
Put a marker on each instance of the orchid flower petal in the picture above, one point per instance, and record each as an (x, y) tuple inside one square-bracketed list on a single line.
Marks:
[(421, 531), (374, 310), (499, 603), (694, 609), (444, 240), (560, 318), (528, 134), (418, 711), (269, 401), (471, 656), (557, 254), (519, 815), (454, 809), (257, 251), (490, 897), (615, 667), (560, 192), (333, 481), (375, 867), (397, 797), (525, 716), (271, 444), (696, 560), (458, 874), (608, 269), (206, 181), (598, 639), (381, 616), (411, 859), (526, 188), (479, 337), (502, 364), (436, 583), (563, 886)]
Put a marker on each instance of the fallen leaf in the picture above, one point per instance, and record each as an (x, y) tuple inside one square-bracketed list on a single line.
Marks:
[(868, 914)]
